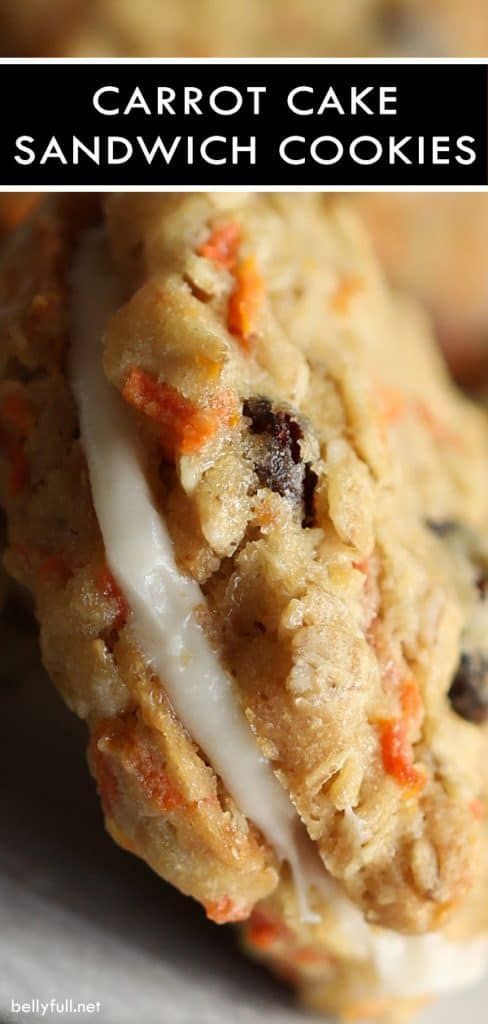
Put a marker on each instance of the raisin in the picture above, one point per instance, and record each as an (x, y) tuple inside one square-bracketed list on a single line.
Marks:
[(442, 527), (469, 689), (309, 484), (260, 411), (278, 463)]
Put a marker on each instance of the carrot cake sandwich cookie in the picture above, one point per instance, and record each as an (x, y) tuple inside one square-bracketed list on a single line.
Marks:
[(251, 509)]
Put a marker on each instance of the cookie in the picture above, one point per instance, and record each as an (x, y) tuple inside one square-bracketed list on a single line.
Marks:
[(416, 237), (229, 459), (264, 28)]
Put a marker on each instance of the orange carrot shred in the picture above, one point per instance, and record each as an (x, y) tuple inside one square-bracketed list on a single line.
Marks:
[(394, 406), (149, 769), (263, 932), (225, 911), (184, 427), (222, 245), (122, 740), (397, 755), (245, 302), (346, 290), (309, 956), (410, 699), (110, 588)]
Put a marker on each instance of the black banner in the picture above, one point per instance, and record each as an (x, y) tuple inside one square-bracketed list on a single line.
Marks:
[(282, 125)]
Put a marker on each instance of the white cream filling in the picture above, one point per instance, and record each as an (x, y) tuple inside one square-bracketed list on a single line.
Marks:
[(419, 965), (163, 603)]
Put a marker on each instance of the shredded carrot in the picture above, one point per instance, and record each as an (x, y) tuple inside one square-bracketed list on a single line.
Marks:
[(264, 931), (309, 956), (222, 245), (225, 911), (410, 699), (123, 739), (265, 513), (345, 291), (147, 765), (397, 755), (184, 427), (55, 569), (246, 301), (394, 406), (110, 588)]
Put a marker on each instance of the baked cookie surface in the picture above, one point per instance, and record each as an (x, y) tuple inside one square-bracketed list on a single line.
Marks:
[(320, 488), (204, 28)]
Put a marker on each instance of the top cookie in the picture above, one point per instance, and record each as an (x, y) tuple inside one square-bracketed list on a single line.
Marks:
[(304, 450)]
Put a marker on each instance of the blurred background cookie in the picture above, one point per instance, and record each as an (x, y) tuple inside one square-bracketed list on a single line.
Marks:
[(246, 28), (435, 246)]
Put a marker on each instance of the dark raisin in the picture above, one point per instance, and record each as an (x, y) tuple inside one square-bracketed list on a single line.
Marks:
[(469, 690), (279, 470), (279, 465), (260, 411), (310, 481), (278, 457), (442, 527)]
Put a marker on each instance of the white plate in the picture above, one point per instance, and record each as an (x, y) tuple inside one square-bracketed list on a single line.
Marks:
[(82, 920)]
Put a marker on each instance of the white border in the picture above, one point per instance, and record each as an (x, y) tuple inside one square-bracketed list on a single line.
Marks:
[(249, 61)]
